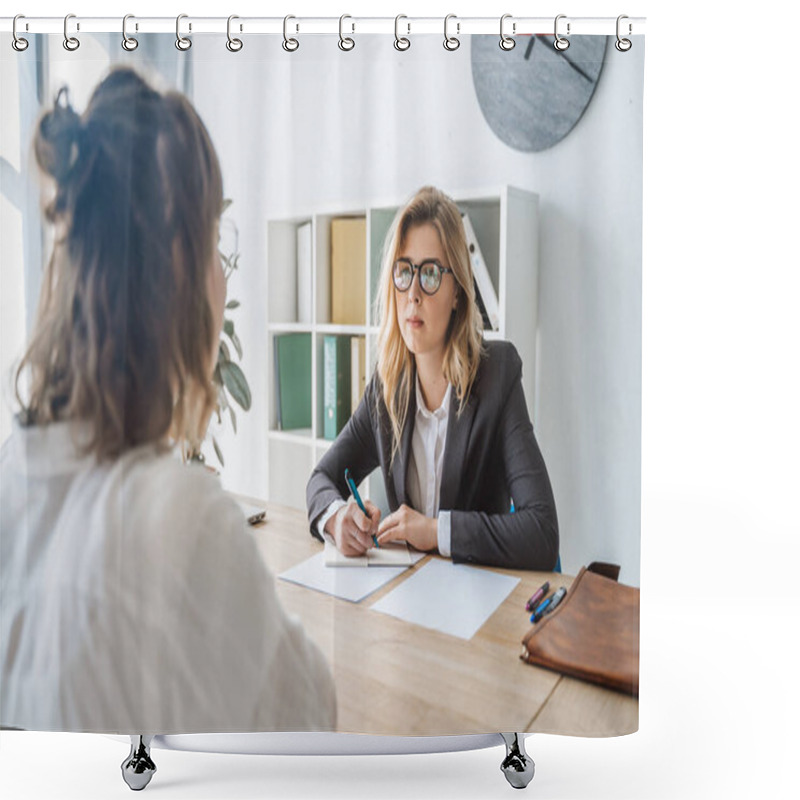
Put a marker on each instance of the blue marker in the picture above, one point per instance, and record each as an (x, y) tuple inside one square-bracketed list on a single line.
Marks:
[(541, 609), (352, 484), (549, 605)]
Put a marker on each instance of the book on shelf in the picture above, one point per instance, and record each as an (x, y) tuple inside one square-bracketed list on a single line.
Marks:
[(485, 293), (292, 366), (304, 272), (348, 270), (336, 384), (358, 371)]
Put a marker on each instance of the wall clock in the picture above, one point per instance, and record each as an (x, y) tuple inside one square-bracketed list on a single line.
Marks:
[(534, 95)]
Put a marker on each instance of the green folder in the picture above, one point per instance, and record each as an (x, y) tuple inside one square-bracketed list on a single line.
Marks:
[(293, 380), (336, 384)]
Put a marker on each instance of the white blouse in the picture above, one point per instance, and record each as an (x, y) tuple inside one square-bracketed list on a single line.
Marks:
[(133, 598), (424, 469)]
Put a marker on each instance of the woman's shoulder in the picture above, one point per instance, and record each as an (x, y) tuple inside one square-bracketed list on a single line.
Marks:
[(500, 364), (165, 473), (181, 501)]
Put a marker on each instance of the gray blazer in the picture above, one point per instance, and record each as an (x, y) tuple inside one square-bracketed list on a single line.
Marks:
[(490, 456)]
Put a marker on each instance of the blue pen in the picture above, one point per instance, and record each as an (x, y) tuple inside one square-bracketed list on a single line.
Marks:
[(352, 484), (540, 609)]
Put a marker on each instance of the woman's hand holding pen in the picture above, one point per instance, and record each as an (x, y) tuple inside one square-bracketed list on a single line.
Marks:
[(406, 524), (352, 530)]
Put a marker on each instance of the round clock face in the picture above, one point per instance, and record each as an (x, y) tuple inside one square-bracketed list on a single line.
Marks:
[(532, 96)]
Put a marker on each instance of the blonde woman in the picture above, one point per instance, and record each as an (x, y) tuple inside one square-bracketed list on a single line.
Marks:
[(133, 596), (443, 416)]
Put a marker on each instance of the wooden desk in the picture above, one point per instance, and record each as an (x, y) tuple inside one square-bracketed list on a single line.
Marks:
[(396, 678)]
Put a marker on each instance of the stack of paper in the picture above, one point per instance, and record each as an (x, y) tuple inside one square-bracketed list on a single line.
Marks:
[(394, 554)]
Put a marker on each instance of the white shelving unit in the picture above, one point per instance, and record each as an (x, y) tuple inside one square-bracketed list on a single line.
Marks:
[(505, 220)]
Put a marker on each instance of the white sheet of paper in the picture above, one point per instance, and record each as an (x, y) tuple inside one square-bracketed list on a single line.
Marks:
[(395, 554), (452, 598), (349, 583)]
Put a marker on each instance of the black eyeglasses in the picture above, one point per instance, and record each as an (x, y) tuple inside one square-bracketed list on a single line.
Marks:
[(430, 274)]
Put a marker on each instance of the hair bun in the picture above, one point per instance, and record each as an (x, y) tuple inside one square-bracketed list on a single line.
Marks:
[(58, 137)]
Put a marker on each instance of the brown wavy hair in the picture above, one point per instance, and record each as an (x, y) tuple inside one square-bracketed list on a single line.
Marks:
[(464, 338), (124, 331)]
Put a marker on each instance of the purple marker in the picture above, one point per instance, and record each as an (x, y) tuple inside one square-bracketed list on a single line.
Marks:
[(537, 596)]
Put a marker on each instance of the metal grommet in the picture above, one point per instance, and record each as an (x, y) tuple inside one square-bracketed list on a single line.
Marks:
[(345, 42), (561, 43), (18, 43), (401, 43), (70, 42), (128, 42), (181, 42), (507, 42), (233, 45), (289, 45), (451, 43), (623, 45)]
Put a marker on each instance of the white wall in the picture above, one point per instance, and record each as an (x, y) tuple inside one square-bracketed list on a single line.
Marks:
[(319, 127)]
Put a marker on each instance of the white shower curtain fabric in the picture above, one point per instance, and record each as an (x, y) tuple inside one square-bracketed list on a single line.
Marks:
[(135, 597)]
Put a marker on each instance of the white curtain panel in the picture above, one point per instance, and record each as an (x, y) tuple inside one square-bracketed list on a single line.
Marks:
[(135, 596)]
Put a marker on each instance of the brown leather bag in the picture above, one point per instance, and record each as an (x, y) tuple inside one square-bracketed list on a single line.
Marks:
[(593, 634)]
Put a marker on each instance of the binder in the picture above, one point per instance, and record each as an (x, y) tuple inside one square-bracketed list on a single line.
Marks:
[(336, 384), (487, 323), (292, 364), (484, 288), (358, 371), (304, 273), (348, 270)]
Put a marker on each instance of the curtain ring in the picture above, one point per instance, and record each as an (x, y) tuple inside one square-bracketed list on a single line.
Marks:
[(451, 43), (128, 42), (623, 45), (289, 45), (345, 42), (233, 45), (506, 42), (401, 43), (18, 43), (561, 43), (181, 42), (70, 42)]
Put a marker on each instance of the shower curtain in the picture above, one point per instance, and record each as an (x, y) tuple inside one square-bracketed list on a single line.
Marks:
[(322, 144)]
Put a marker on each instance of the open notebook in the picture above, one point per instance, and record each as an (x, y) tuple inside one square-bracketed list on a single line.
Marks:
[(394, 554)]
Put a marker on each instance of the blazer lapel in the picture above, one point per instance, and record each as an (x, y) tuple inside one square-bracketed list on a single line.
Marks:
[(455, 449)]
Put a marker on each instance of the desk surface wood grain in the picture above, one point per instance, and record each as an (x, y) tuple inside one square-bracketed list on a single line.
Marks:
[(396, 678)]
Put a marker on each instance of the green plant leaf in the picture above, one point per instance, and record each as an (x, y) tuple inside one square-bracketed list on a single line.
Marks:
[(232, 304), (222, 398), (224, 352), (218, 451), (237, 344), (226, 204), (233, 417), (227, 326), (236, 384)]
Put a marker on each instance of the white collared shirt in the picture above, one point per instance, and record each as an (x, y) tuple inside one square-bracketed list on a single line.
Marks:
[(424, 469), (134, 598), (426, 462)]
